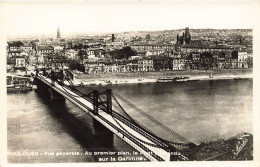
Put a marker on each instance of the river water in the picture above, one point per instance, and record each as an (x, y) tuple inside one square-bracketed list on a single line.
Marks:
[(198, 110)]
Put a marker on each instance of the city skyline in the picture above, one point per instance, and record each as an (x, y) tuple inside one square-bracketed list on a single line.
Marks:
[(106, 17)]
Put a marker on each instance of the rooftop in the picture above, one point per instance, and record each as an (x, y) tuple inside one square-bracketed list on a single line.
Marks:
[(45, 48)]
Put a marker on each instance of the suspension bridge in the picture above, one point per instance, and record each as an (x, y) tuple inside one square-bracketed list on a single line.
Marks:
[(108, 114)]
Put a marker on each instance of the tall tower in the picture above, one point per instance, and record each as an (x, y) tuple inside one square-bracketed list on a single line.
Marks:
[(113, 38), (58, 33), (187, 36)]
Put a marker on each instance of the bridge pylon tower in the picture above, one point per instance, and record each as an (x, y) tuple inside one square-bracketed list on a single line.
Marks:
[(97, 100)]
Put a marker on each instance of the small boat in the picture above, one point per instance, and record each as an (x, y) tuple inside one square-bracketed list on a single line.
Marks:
[(165, 79), (19, 89), (181, 79)]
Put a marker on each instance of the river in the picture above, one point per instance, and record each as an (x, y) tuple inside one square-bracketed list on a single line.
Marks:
[(198, 110)]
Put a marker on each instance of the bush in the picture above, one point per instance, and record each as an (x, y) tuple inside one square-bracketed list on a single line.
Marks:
[(74, 65)]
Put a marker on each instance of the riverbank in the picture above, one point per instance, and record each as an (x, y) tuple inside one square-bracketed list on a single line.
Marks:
[(239, 147), (146, 77)]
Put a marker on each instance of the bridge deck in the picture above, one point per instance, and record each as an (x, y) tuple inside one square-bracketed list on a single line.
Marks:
[(128, 132)]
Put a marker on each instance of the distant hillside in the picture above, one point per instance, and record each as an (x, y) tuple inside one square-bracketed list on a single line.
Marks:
[(194, 32)]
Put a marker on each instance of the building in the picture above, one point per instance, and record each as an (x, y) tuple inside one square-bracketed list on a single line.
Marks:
[(201, 48), (178, 63), (155, 52), (58, 48), (71, 54), (221, 60), (228, 57), (141, 53), (195, 57), (214, 59), (152, 47), (20, 62), (95, 53), (234, 58), (128, 66), (14, 51), (206, 61), (145, 64), (26, 48), (111, 67), (16, 58), (14, 48), (162, 63), (115, 45), (44, 49), (94, 67), (185, 38), (242, 59), (134, 57)]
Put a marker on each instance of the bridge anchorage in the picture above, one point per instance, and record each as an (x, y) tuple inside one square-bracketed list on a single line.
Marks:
[(108, 121)]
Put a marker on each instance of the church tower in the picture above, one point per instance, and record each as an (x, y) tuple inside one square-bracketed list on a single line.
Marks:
[(187, 36), (58, 33)]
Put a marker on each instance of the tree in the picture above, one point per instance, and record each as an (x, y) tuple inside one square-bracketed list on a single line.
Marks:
[(85, 46), (16, 44), (127, 52), (123, 53), (82, 54), (78, 46), (74, 65), (147, 37)]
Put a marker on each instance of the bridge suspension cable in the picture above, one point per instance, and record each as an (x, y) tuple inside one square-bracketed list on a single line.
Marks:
[(142, 141), (175, 134), (131, 119), (122, 109), (167, 129), (154, 140), (169, 143), (79, 96), (71, 84)]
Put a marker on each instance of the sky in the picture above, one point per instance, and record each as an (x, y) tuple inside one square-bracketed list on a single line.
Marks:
[(27, 18)]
